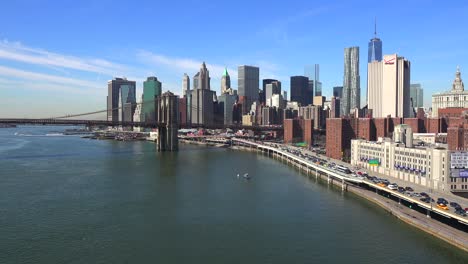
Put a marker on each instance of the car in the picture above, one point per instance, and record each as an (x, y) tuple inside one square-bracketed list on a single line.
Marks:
[(424, 194), (425, 199), (442, 206), (409, 189), (392, 187), (442, 201), (417, 194), (382, 184), (455, 205), (460, 212), (401, 189)]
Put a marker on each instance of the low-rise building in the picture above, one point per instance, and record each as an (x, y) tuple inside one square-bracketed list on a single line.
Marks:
[(427, 166)]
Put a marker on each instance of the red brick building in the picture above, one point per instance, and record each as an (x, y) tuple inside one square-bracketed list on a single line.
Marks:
[(298, 130), (451, 111), (338, 137)]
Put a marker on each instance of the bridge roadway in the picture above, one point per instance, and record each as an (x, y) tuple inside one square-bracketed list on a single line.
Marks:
[(348, 178), (32, 121)]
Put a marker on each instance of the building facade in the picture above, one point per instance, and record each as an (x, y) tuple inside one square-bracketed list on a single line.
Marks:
[(351, 81), (300, 90), (313, 73), (225, 82), (117, 99), (417, 95), (248, 83), (457, 97), (389, 87), (168, 114), (271, 89), (425, 166), (151, 90), (226, 103), (185, 85), (338, 91)]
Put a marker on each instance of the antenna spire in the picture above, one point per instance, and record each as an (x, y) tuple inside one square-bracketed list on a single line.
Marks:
[(375, 26)]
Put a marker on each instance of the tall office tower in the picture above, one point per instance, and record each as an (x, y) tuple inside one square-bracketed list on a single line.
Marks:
[(417, 94), (225, 82), (226, 104), (389, 87), (272, 88), (338, 91), (375, 48), (248, 82), (201, 101), (374, 52), (335, 107), (285, 95), (351, 81), (300, 90), (151, 90), (264, 84), (185, 85), (116, 98), (312, 72)]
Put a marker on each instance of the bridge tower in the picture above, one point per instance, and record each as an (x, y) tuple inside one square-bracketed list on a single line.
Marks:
[(168, 119)]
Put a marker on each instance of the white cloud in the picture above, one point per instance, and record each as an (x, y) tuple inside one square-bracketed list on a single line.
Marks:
[(17, 52), (33, 76), (183, 64)]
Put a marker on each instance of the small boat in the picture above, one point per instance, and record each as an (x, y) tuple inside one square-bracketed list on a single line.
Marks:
[(238, 175), (246, 176)]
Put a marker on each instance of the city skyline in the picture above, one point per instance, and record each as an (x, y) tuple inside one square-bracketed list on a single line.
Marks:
[(55, 71)]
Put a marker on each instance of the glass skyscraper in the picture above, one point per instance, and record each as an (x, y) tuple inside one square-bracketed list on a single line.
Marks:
[(375, 48), (313, 73), (351, 81), (151, 90)]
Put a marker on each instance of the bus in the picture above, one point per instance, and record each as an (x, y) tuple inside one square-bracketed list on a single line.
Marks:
[(342, 169)]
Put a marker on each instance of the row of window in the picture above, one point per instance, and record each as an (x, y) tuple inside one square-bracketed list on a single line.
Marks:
[(463, 187), (453, 179)]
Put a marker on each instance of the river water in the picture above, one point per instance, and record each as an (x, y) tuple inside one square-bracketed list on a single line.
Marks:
[(64, 199)]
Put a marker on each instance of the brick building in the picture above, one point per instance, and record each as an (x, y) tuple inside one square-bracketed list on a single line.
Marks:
[(298, 130), (340, 131)]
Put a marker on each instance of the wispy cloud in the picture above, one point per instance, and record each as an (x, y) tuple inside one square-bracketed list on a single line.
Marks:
[(182, 64), (16, 51), (34, 76)]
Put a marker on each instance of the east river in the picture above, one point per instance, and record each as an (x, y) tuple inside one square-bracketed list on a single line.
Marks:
[(64, 199)]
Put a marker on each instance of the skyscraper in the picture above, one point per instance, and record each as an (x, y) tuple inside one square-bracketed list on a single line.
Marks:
[(116, 99), (185, 85), (201, 105), (264, 84), (225, 82), (374, 52), (389, 87), (375, 48), (272, 88), (417, 95), (313, 73), (248, 82), (151, 90), (338, 91), (351, 81), (300, 90)]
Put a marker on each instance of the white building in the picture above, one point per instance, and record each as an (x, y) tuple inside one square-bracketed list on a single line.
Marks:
[(459, 171), (425, 166), (388, 83), (276, 100), (137, 117), (457, 97)]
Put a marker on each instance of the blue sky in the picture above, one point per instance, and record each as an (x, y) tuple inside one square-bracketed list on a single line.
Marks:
[(56, 56)]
